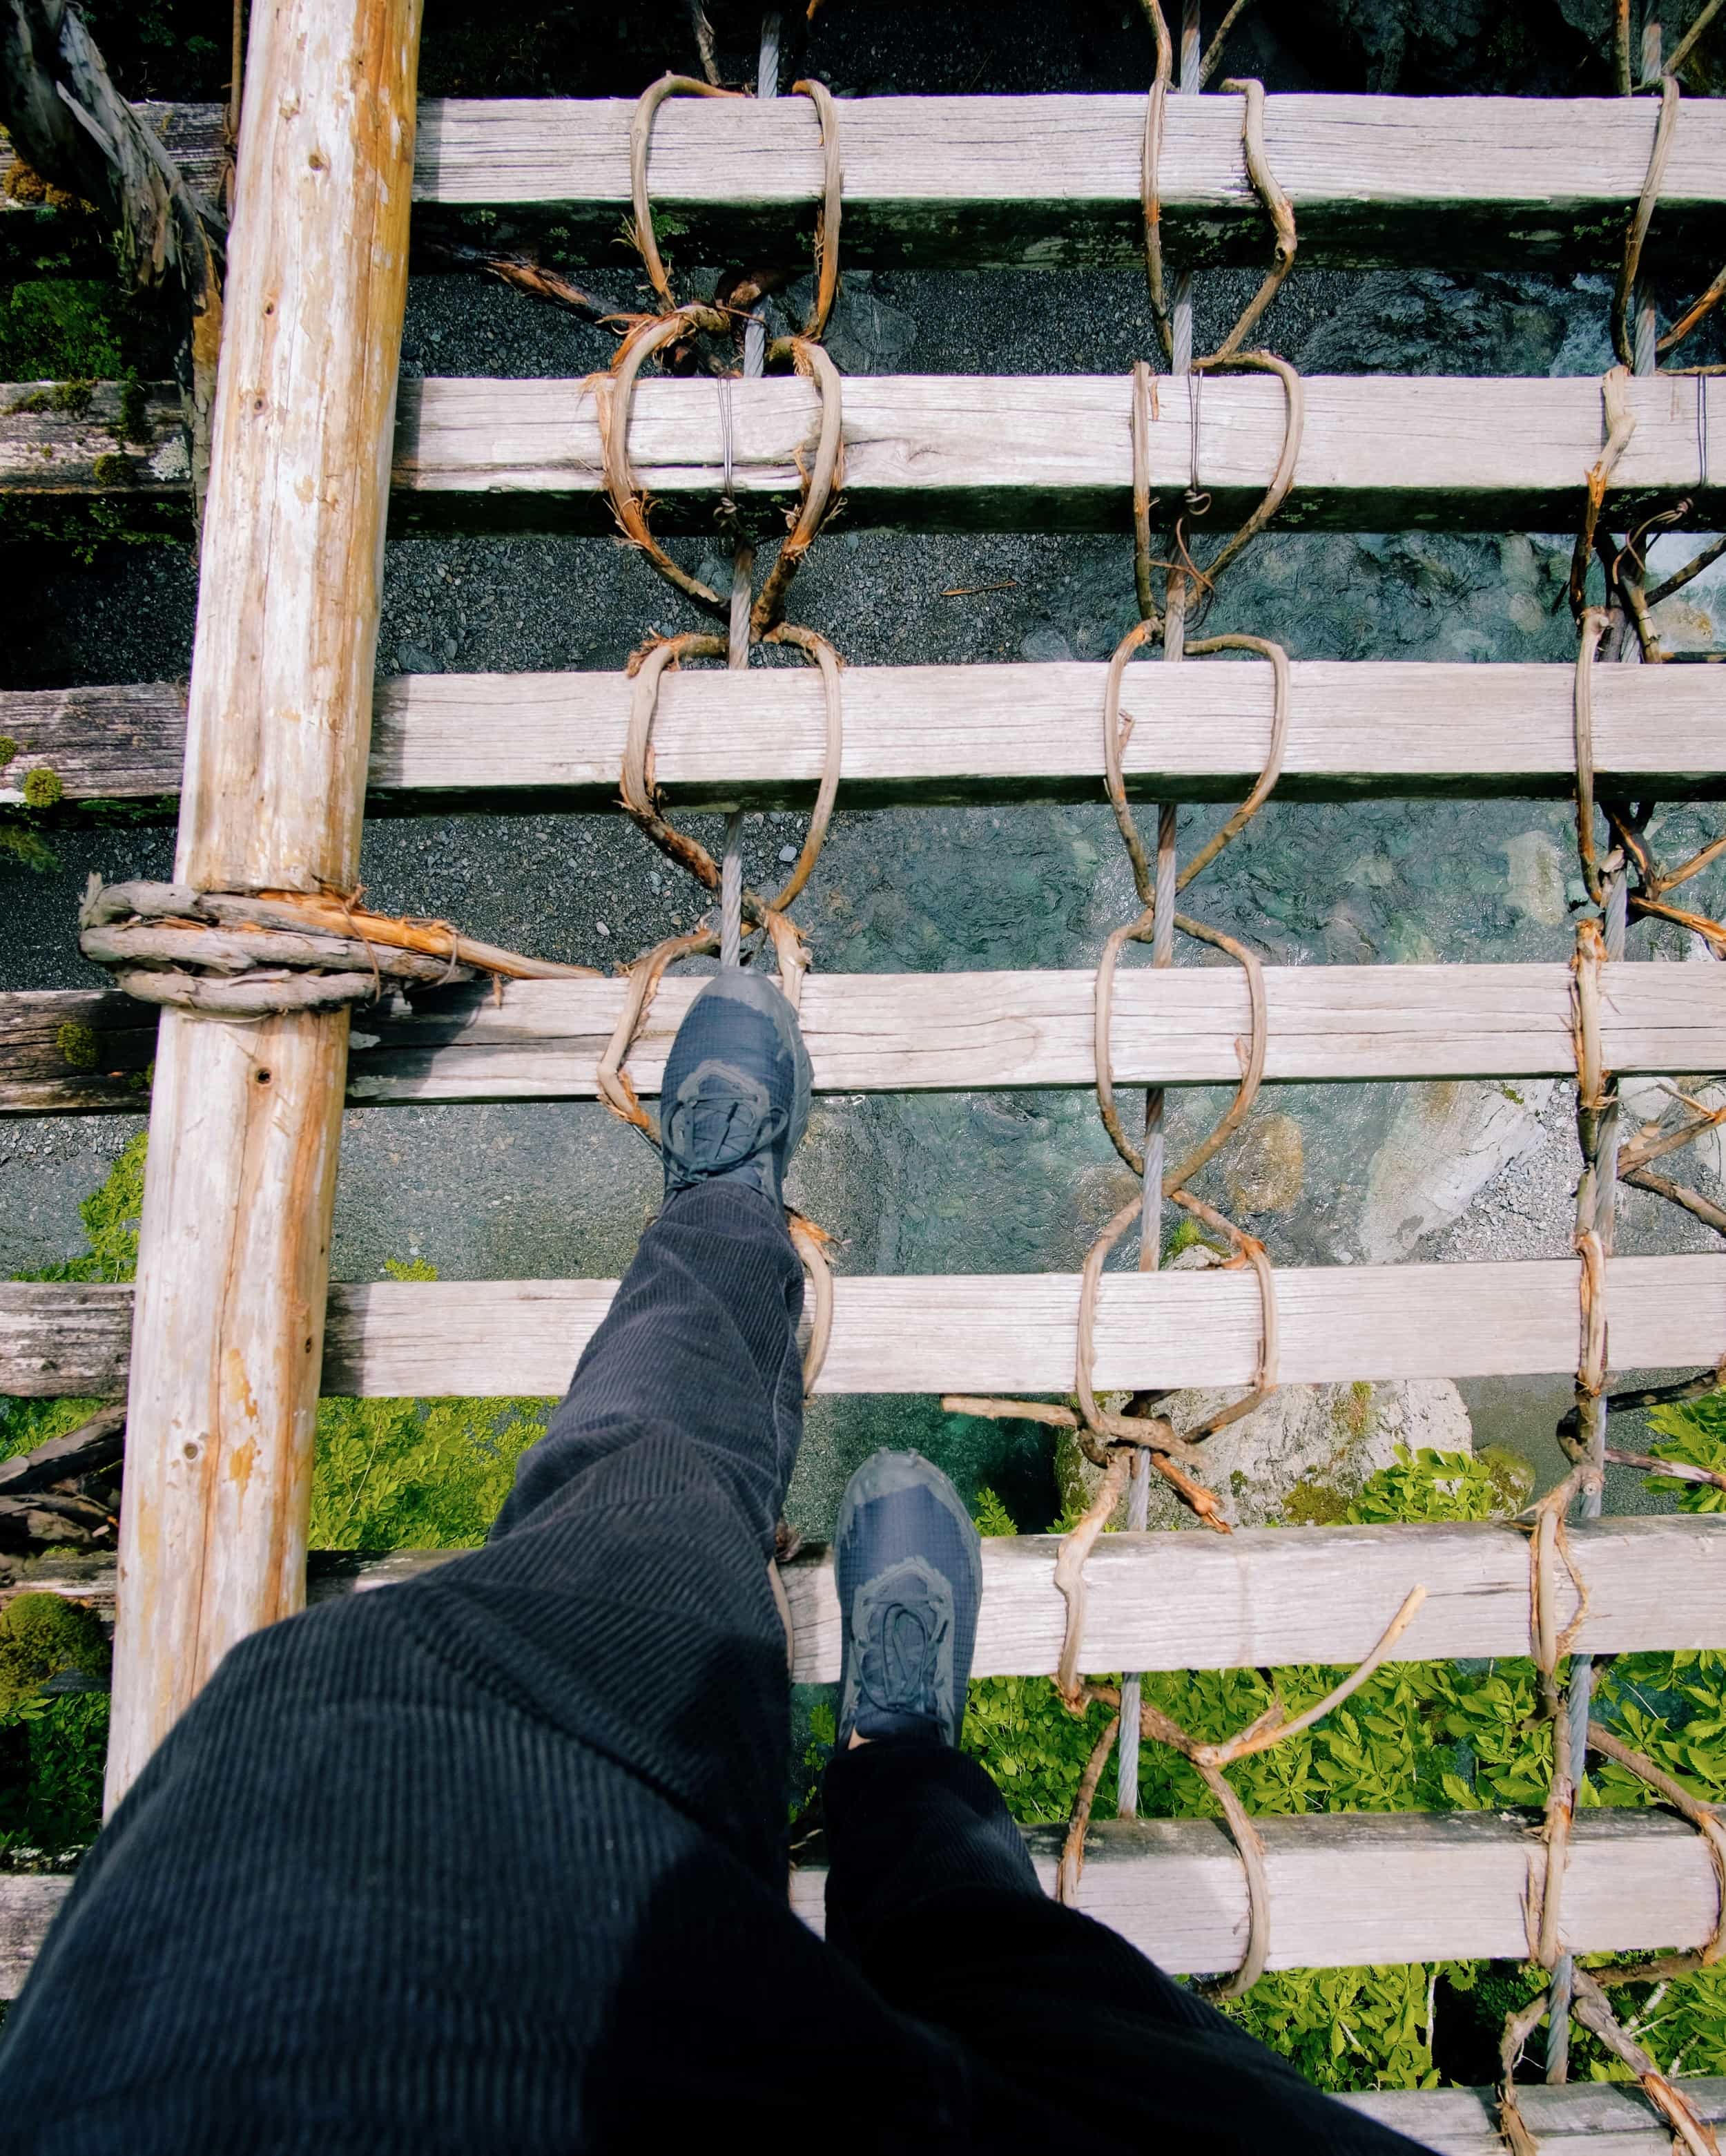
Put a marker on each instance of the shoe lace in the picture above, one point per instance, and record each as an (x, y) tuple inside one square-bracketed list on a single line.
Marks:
[(901, 1660)]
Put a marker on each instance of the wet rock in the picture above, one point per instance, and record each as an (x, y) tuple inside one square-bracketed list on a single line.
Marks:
[(1535, 872), (1299, 1458), (1264, 1169), (864, 335), (1445, 1142)]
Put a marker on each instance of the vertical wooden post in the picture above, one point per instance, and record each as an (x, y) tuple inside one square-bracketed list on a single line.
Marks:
[(245, 1118)]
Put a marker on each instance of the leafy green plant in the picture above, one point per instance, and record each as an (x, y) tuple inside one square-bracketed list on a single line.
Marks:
[(1434, 1485), (1694, 1431), (1347, 2028), (1417, 1736)]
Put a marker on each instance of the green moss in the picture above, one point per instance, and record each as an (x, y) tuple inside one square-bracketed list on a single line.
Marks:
[(111, 468), (1186, 1233), (73, 398), (43, 787), (40, 1635), (65, 330), (132, 424), (9, 749), (1312, 1504), (85, 523), (78, 1045), (30, 848)]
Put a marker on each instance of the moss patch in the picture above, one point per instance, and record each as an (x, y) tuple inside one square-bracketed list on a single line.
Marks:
[(66, 330), (78, 1046), (43, 787), (41, 1635)]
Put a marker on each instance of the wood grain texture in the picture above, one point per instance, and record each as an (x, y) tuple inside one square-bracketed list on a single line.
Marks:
[(981, 1333), (61, 441), (1580, 2118), (934, 1032), (245, 1119), (1052, 452), (961, 734), (1047, 181), (1017, 453), (1264, 1596), (541, 1041), (1443, 1885)]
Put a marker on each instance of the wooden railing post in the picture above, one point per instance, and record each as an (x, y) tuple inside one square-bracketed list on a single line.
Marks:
[(245, 1118)]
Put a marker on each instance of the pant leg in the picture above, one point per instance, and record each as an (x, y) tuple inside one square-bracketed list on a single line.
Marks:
[(495, 1860), (932, 1893)]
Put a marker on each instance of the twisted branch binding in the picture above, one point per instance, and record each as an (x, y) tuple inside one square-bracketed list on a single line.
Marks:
[(765, 622), (1574, 1991)]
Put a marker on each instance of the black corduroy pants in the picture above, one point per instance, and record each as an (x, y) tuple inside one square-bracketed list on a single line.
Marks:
[(495, 1860)]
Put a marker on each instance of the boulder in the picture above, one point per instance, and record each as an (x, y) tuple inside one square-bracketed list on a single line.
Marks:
[(1446, 1142), (1300, 1457)]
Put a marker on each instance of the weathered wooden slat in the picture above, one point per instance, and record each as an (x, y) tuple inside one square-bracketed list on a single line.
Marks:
[(1442, 1886), (1578, 2118), (981, 1333), (539, 1040), (1006, 453), (1054, 181), (960, 734), (1267, 1596), (245, 1119), (75, 1051), (1348, 1889)]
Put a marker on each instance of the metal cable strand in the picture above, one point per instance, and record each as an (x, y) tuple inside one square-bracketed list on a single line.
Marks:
[(1150, 1216), (743, 562)]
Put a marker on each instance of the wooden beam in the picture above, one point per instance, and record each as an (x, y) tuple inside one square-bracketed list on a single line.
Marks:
[(1444, 1885), (869, 1033), (972, 1332), (958, 734), (1354, 1889), (1054, 181), (1578, 2118), (245, 1119), (1013, 452), (1264, 1597)]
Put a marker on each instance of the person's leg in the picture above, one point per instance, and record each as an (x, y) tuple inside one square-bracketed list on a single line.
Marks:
[(932, 1894), (427, 1869)]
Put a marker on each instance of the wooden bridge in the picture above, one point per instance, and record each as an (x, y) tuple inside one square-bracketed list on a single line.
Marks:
[(281, 745)]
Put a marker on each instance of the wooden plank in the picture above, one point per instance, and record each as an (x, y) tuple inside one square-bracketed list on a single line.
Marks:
[(245, 1118), (961, 734), (74, 1052), (29, 1902), (1264, 1597), (979, 1332), (1013, 452), (1445, 1886), (541, 1040), (1054, 181), (85, 458), (1580, 2118)]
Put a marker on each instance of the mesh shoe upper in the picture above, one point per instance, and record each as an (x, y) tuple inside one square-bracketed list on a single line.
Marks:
[(735, 1094), (907, 1568)]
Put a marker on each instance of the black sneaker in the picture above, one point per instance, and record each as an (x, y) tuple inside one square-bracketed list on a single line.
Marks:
[(735, 1093), (908, 1568)]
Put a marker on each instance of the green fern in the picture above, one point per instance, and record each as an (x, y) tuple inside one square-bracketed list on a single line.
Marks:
[(1694, 1431)]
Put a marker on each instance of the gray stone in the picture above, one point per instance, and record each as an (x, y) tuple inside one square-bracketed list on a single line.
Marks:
[(1264, 1168), (1300, 1456), (1535, 873), (1446, 1142)]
